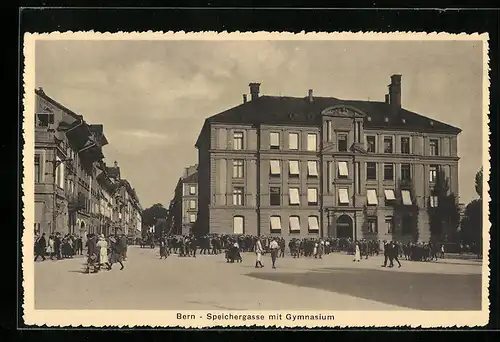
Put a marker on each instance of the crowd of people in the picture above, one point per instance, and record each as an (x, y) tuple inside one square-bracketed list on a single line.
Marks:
[(101, 251)]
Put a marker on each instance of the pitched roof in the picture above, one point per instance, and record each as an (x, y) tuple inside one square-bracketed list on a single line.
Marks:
[(299, 111), (193, 178)]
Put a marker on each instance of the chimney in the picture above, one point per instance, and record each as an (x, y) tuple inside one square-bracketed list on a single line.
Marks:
[(395, 91), (254, 90), (387, 99), (244, 98), (310, 95)]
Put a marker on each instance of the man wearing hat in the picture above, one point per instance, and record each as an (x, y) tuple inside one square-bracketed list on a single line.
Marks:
[(116, 252), (274, 247), (258, 253)]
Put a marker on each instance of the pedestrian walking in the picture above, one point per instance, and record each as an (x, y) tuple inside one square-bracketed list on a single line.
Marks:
[(258, 253), (116, 252), (393, 256), (274, 247), (40, 245), (102, 244), (386, 253), (357, 253)]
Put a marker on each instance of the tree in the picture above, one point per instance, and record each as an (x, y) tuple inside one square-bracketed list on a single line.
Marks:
[(471, 227), (151, 215), (406, 215), (479, 183), (444, 216)]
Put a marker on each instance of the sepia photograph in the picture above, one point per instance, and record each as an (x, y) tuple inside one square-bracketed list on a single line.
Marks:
[(256, 179)]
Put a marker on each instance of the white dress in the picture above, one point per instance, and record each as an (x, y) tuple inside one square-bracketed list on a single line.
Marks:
[(103, 251), (357, 255)]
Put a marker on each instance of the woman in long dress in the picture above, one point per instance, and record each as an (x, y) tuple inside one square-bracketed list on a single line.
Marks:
[(357, 253), (103, 252)]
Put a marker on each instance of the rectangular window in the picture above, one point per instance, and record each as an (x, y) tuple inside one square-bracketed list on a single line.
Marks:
[(388, 145), (372, 224), (44, 119), (275, 168), (312, 196), (405, 172), (389, 222), (371, 171), (358, 178), (405, 194), (294, 196), (293, 141), (343, 196), (434, 147), (238, 140), (192, 190), (312, 168), (433, 171), (192, 204), (313, 223), (238, 196), (294, 223), (388, 172), (433, 201), (342, 142), (311, 142), (329, 130), (38, 169), (389, 195), (192, 218), (238, 169), (293, 168), (370, 144), (343, 170), (275, 140), (275, 196), (405, 145), (238, 225), (275, 224), (371, 196)]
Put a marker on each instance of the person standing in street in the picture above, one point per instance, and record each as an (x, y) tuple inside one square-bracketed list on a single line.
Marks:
[(40, 245), (393, 254), (116, 252), (357, 253), (274, 247), (258, 253), (386, 253), (124, 247)]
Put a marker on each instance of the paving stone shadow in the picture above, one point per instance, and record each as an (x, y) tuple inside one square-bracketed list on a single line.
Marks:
[(419, 291)]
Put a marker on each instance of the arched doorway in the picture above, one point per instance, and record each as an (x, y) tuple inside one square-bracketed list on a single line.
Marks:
[(344, 227)]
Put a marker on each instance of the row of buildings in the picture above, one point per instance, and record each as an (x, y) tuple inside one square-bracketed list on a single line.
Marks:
[(75, 191), (318, 166)]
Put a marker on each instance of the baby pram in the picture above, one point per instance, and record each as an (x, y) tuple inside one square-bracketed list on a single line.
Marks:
[(233, 254)]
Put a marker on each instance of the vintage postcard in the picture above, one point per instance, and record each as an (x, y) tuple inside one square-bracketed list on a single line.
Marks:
[(256, 179)]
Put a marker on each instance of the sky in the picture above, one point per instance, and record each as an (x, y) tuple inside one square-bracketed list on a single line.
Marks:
[(153, 96)]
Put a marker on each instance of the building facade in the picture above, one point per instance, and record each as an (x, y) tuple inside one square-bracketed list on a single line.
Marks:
[(322, 166), (75, 192), (183, 210)]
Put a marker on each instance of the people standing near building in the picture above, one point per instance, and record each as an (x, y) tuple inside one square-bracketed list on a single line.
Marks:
[(163, 248), (58, 246), (92, 254), (258, 253), (274, 248), (124, 246), (40, 244), (282, 244), (393, 256), (116, 252), (357, 253), (386, 252), (50, 247)]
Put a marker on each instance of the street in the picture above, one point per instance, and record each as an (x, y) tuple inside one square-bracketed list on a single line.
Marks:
[(208, 282)]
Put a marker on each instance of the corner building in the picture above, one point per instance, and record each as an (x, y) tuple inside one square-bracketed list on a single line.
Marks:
[(321, 166)]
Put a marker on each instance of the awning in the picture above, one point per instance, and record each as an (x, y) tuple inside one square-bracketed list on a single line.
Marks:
[(406, 197), (293, 165), (275, 223), (294, 223), (313, 223), (275, 167), (371, 196), (312, 195), (275, 139), (343, 196), (389, 194), (312, 168), (343, 171), (294, 196)]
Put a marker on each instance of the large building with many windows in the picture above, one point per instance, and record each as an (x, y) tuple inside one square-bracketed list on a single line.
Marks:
[(75, 191), (183, 211), (322, 166)]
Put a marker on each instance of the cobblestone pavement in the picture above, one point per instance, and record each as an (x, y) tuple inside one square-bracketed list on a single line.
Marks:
[(207, 282)]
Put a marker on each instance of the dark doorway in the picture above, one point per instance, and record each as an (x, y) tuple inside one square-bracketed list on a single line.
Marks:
[(344, 227)]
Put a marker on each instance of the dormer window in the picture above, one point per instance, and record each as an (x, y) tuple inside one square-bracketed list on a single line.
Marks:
[(44, 119)]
